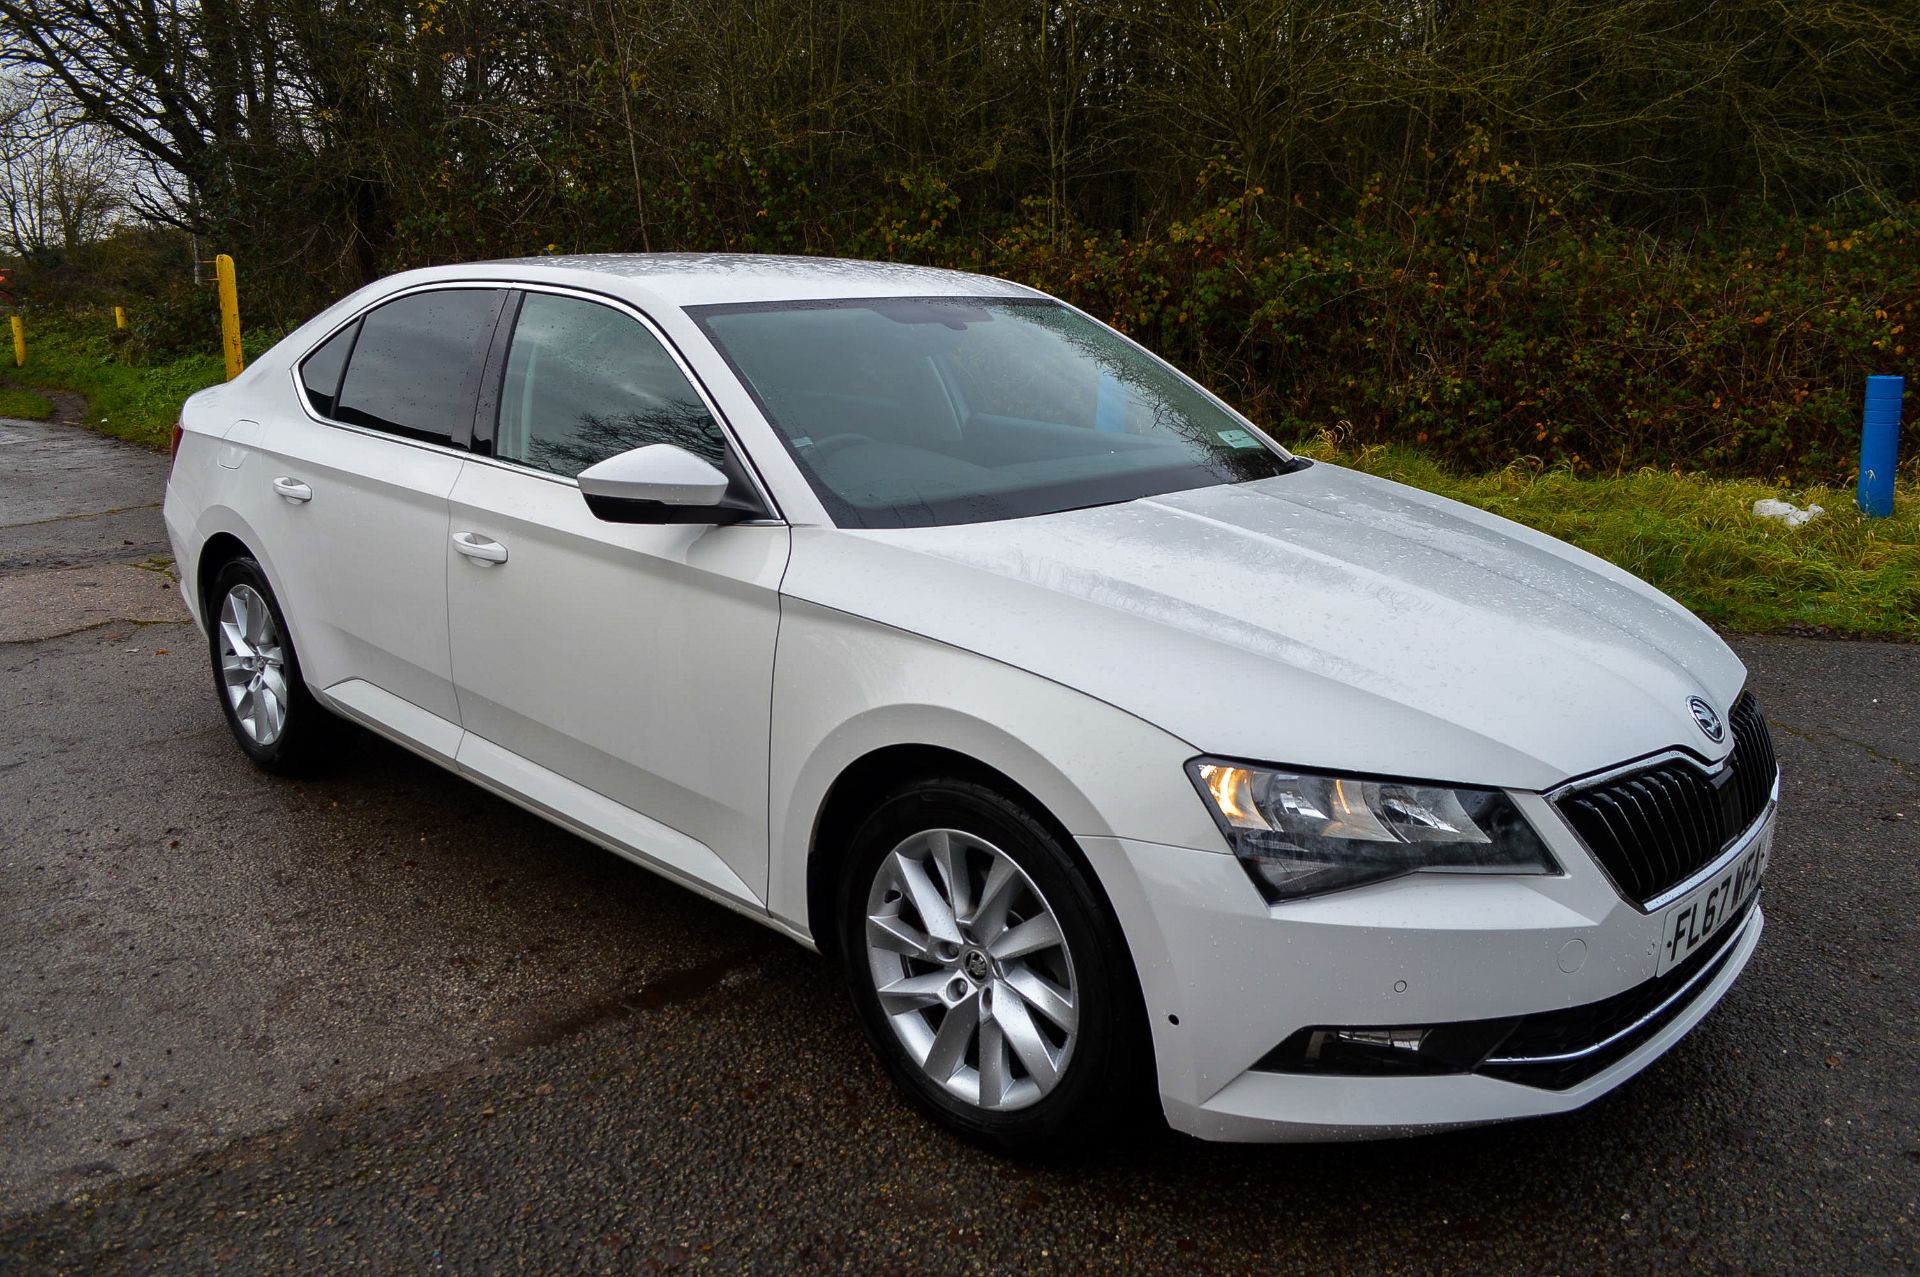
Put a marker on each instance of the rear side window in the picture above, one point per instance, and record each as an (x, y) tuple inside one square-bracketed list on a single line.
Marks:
[(320, 371), (585, 382), (416, 368)]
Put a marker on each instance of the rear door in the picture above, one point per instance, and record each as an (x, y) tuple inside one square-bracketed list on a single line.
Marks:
[(619, 675), (355, 503)]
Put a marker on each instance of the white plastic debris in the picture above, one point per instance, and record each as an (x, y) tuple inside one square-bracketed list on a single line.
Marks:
[(1786, 511)]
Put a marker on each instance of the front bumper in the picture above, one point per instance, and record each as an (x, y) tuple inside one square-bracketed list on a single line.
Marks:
[(1227, 978)]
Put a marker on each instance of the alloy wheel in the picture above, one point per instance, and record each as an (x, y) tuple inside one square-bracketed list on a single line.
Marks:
[(972, 969), (253, 664)]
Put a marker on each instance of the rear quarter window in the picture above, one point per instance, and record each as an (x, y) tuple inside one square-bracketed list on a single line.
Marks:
[(320, 371)]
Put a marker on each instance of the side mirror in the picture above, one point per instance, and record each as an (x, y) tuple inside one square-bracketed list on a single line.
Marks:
[(661, 483)]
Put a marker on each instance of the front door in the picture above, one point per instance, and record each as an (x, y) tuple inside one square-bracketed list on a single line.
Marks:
[(616, 674)]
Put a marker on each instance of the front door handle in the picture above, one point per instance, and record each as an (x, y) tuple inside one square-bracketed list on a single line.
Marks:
[(479, 548), (292, 489)]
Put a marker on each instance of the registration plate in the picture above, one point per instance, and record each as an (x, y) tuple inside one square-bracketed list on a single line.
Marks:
[(1713, 906)]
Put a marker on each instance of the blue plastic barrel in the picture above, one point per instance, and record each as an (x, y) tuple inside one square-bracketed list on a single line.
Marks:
[(1879, 446)]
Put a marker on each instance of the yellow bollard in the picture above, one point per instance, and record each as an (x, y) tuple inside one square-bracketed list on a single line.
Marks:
[(229, 315), (120, 317), (19, 342)]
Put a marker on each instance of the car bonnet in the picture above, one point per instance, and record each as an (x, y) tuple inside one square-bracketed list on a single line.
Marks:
[(1323, 618)]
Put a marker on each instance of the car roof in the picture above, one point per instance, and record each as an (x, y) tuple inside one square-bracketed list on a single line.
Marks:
[(699, 279)]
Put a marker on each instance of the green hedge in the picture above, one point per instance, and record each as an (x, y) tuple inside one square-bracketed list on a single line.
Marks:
[(1502, 321), (1576, 342), (1502, 318)]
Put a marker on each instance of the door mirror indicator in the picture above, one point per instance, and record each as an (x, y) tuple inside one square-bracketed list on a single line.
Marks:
[(662, 483)]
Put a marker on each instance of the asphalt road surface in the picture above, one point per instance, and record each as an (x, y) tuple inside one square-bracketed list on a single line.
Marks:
[(382, 1021)]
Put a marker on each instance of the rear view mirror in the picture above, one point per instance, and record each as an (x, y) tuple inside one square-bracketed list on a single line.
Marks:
[(661, 483)]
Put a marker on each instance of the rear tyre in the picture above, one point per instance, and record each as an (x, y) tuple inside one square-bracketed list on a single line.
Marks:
[(256, 674), (988, 972)]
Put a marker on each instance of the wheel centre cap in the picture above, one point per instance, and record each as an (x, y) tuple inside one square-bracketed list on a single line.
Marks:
[(977, 965)]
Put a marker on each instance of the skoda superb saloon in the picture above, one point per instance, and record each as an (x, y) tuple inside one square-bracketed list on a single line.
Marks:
[(1120, 758)]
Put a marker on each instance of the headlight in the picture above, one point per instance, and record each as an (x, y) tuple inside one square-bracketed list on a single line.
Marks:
[(1301, 834)]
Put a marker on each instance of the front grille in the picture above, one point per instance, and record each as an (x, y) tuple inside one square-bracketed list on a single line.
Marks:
[(1656, 827), (1559, 1049)]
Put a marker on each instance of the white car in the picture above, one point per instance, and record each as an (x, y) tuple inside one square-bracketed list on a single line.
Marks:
[(1110, 748)]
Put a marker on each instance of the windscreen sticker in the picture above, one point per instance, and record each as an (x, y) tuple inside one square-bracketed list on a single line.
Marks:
[(1237, 439)]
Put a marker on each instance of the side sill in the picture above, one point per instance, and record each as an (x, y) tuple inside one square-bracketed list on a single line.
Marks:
[(600, 819), (401, 721)]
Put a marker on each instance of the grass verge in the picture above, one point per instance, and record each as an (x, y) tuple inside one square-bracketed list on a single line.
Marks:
[(1694, 537), (23, 405), (1697, 539), (136, 401)]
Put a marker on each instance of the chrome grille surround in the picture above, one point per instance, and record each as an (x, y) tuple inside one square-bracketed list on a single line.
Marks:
[(1659, 825)]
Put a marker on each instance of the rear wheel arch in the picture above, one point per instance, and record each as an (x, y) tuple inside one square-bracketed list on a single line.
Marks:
[(216, 553), (258, 679), (220, 549)]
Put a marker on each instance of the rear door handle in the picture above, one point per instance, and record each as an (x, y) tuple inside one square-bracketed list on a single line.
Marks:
[(292, 489), (479, 548)]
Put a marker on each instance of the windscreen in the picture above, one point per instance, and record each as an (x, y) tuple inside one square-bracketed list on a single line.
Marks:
[(910, 412)]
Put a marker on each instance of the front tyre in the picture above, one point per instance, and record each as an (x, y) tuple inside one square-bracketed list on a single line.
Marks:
[(987, 971), (256, 673)]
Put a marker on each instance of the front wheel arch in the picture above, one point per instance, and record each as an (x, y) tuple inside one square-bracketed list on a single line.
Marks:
[(856, 790)]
